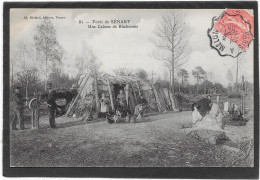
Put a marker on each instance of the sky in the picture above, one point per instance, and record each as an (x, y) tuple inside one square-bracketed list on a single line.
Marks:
[(131, 48)]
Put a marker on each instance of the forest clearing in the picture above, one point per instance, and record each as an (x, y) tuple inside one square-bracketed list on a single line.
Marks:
[(154, 141)]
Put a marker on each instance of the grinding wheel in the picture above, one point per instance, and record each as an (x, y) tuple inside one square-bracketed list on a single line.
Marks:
[(33, 103)]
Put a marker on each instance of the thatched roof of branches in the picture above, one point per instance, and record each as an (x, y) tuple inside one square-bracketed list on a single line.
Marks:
[(120, 79)]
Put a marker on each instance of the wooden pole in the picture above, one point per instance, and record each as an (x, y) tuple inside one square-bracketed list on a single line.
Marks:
[(110, 95), (75, 100), (243, 95), (127, 94), (157, 99), (96, 93)]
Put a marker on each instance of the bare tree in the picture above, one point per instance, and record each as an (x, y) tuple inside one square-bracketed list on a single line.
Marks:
[(171, 43), (166, 74), (183, 74), (198, 73), (92, 66), (26, 71), (123, 71), (82, 60), (47, 46), (29, 78)]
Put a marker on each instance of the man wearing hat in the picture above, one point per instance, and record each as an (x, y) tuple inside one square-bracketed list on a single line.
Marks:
[(52, 106), (19, 108)]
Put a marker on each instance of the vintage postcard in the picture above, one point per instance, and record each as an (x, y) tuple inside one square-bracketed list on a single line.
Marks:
[(142, 88)]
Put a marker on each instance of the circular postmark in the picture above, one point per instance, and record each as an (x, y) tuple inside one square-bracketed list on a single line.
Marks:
[(232, 32)]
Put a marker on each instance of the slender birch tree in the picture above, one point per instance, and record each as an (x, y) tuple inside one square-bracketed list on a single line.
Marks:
[(47, 46), (171, 42)]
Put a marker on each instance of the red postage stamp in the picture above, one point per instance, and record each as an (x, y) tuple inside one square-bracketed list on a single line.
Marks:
[(232, 32)]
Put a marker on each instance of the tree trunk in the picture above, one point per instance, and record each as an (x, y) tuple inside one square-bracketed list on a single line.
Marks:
[(172, 83), (170, 72), (174, 106)]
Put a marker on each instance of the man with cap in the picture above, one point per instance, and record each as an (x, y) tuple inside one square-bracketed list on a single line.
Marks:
[(19, 109), (52, 106)]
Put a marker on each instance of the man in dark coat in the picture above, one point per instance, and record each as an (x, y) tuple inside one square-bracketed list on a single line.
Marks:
[(19, 109), (52, 106)]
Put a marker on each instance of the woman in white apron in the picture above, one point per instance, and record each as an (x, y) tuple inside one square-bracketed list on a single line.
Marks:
[(104, 102)]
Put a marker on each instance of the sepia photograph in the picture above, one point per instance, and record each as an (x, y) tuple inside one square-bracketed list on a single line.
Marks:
[(99, 87)]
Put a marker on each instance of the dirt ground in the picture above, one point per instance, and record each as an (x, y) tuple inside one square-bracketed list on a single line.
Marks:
[(156, 141)]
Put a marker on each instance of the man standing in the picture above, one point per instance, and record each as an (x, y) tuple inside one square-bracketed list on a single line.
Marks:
[(19, 108), (52, 106)]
